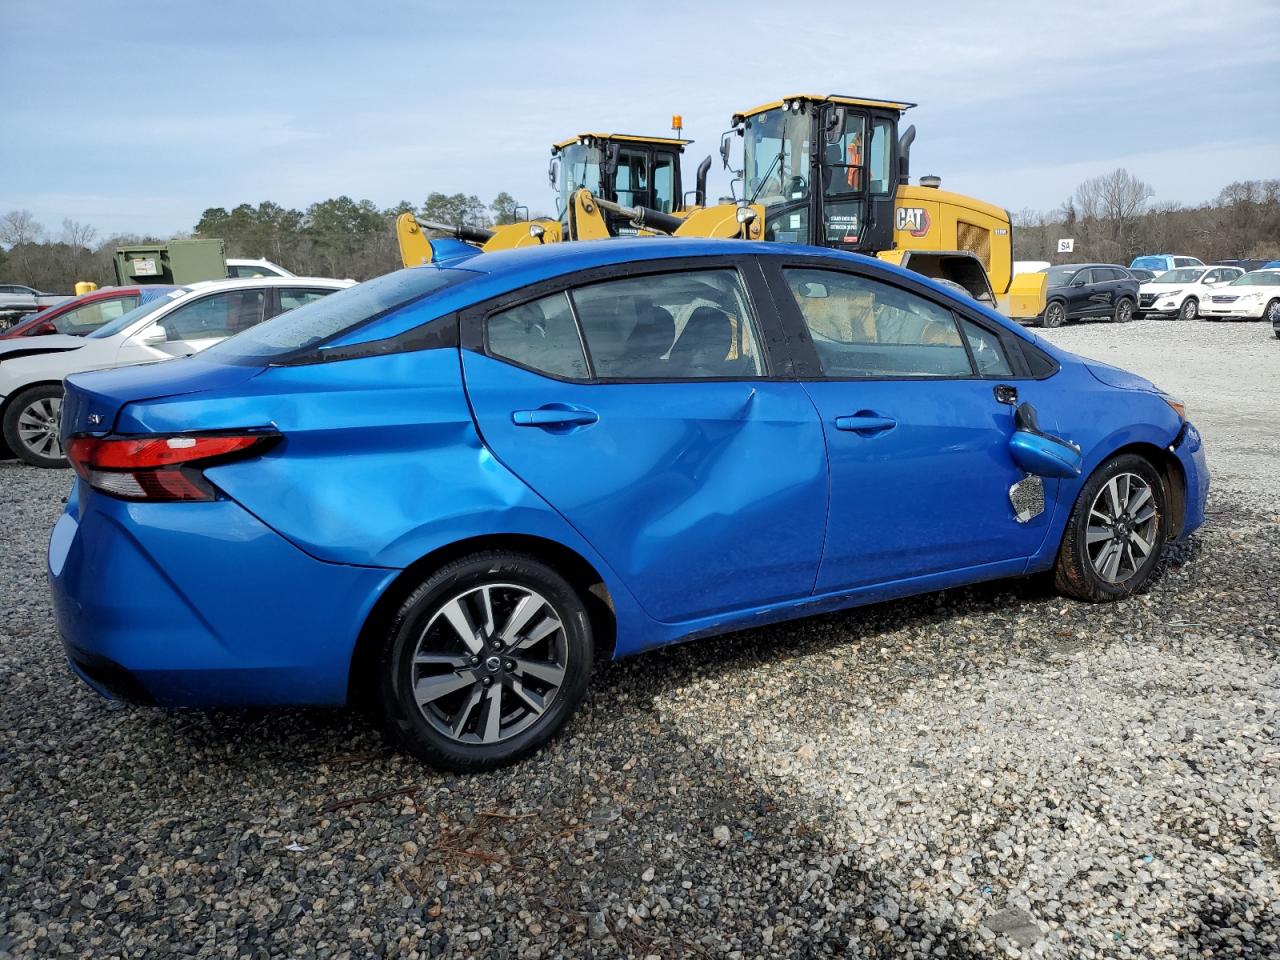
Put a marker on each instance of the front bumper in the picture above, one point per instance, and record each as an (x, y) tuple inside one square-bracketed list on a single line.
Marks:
[(201, 605), (1189, 449), (1232, 311)]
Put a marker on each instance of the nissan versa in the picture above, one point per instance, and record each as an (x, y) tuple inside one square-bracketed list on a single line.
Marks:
[(446, 491)]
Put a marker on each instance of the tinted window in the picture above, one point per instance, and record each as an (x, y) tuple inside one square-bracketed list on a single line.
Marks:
[(343, 311), (540, 335), (1059, 276), (864, 328), (93, 315), (148, 306), (988, 353), (676, 326), (215, 316), (664, 197), (293, 297), (1108, 273), (1259, 278), (1185, 262), (245, 271)]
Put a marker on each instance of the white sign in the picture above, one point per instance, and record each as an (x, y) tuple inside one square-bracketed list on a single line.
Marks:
[(145, 268), (1066, 246)]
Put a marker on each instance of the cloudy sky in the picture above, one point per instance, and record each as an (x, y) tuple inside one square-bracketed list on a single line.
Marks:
[(137, 117)]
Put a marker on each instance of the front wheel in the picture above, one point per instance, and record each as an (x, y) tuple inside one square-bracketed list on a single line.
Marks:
[(31, 425), (1272, 313), (1124, 311), (485, 662), (1055, 314), (1190, 309), (1116, 534)]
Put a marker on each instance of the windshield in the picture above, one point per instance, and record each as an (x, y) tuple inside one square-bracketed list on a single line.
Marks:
[(1151, 263), (1060, 276), (1259, 278), (579, 168), (314, 323), (137, 313), (775, 157), (1184, 275)]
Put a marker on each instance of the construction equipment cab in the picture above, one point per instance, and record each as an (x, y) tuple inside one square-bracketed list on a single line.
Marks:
[(834, 171), (630, 171)]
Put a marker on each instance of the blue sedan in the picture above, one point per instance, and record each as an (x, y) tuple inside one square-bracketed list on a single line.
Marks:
[(447, 491)]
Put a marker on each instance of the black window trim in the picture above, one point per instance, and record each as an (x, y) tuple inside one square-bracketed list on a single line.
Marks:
[(474, 319), (807, 362)]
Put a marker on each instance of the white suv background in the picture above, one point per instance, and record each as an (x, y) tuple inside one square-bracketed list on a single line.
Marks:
[(1181, 292)]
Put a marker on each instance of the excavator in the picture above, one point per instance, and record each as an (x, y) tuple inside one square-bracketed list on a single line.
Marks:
[(824, 169)]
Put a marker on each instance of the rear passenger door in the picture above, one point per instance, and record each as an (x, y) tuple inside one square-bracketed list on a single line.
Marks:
[(647, 411), (916, 436)]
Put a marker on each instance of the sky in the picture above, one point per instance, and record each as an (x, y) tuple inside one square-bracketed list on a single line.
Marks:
[(135, 118)]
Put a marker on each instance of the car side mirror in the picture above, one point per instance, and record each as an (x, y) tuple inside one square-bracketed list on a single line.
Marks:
[(153, 336), (1042, 453), (1077, 283)]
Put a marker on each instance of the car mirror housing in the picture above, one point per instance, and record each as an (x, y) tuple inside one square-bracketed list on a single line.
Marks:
[(153, 336)]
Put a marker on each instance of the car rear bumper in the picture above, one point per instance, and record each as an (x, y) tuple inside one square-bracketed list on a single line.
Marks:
[(201, 605), (1189, 449)]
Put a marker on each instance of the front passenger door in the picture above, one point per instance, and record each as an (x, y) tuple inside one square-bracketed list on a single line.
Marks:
[(917, 440)]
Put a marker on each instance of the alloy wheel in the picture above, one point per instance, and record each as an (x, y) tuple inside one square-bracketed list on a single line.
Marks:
[(489, 663), (1190, 308), (1054, 314), (1273, 311), (1124, 312), (38, 426), (1123, 526)]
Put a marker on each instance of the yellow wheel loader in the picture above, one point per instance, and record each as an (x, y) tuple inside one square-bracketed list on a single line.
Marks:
[(834, 171)]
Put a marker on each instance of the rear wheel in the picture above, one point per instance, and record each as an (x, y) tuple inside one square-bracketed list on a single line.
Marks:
[(1190, 309), (1272, 313), (31, 424), (485, 662), (1055, 314), (1116, 534), (1124, 311)]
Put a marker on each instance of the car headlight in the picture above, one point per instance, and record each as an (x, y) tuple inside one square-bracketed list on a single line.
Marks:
[(1254, 297), (1170, 293), (1178, 406)]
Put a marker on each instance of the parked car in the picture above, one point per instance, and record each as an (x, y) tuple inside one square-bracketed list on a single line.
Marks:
[(83, 314), (1083, 291), (1255, 296), (1160, 262), (1179, 293), (17, 299), (1247, 265), (248, 269), (182, 322), (445, 492)]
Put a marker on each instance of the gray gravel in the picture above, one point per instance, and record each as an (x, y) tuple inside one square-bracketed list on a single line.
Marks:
[(988, 772)]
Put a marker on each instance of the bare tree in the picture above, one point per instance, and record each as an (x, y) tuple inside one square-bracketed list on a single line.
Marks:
[(78, 235), (18, 227)]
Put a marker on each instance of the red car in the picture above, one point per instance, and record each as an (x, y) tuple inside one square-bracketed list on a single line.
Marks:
[(81, 315)]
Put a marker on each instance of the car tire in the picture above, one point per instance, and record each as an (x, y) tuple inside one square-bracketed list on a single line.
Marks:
[(1272, 313), (1190, 309), (31, 426), (474, 705), (1055, 314), (1100, 558), (1124, 311)]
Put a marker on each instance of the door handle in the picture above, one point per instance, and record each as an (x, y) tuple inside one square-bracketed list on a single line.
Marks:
[(865, 423), (554, 417)]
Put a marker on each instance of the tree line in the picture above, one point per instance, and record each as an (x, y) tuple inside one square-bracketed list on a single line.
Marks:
[(1111, 218), (338, 237)]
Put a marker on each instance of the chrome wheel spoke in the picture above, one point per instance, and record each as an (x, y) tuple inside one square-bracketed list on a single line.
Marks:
[(463, 715), (532, 700), (453, 661), (1097, 535), (1138, 499), (551, 673), (539, 633), (457, 617), (493, 714), (524, 612), (431, 688), (1142, 544), (1111, 560)]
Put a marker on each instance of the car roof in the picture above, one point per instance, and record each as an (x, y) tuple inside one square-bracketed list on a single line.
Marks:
[(248, 282)]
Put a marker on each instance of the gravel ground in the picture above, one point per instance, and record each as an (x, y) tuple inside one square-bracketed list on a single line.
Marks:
[(988, 772)]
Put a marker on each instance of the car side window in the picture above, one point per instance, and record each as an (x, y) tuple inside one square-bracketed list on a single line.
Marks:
[(692, 325), (988, 353), (293, 297), (215, 316), (864, 328), (91, 316), (540, 335)]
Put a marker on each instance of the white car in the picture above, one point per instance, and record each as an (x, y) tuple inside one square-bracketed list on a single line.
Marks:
[(249, 269), (185, 321), (1255, 296), (1182, 292)]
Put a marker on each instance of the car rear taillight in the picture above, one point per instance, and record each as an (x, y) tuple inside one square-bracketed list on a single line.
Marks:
[(160, 468)]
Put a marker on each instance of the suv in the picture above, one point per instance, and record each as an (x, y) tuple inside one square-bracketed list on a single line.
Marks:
[(1160, 262), (1179, 293), (1082, 291)]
